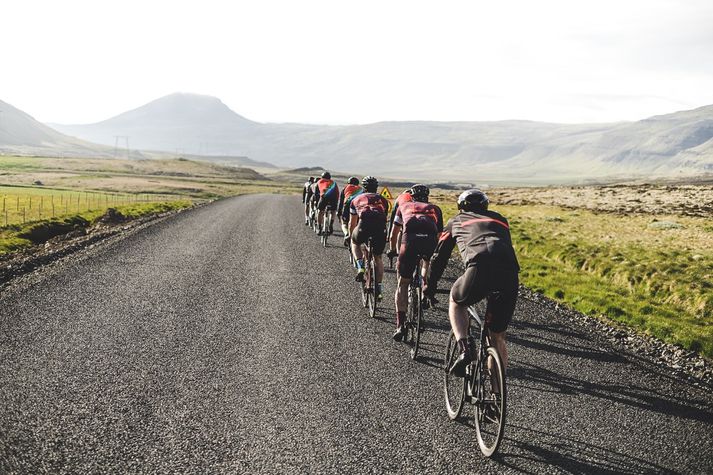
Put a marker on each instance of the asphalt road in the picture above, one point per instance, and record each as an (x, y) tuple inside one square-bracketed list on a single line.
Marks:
[(226, 339)]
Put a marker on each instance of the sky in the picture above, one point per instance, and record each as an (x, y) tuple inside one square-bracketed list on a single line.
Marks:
[(350, 62)]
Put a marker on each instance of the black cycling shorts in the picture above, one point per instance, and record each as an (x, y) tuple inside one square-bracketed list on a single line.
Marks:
[(371, 225), (324, 202), (413, 246), (481, 280)]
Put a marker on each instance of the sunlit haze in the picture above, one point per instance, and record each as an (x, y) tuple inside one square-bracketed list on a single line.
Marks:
[(336, 62)]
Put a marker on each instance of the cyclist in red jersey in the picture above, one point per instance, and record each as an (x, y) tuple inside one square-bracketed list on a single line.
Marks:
[(368, 220), (404, 197), (328, 195), (483, 238), (421, 223), (349, 192)]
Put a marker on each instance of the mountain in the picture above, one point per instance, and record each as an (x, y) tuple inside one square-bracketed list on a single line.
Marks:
[(178, 123), (20, 133), (678, 144)]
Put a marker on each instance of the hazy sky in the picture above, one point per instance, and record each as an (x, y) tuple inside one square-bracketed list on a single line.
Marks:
[(360, 61)]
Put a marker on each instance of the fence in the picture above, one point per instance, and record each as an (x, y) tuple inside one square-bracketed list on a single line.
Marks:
[(20, 207)]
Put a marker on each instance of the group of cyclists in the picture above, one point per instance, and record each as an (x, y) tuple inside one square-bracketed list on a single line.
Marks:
[(482, 236)]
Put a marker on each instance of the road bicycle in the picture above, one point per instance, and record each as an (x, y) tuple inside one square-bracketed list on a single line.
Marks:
[(368, 285), (483, 385), (326, 225), (414, 313)]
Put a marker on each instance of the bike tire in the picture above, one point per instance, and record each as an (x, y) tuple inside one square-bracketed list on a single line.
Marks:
[(372, 286), (416, 322), (490, 428), (453, 386)]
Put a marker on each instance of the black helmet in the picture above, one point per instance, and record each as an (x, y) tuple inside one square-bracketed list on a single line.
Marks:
[(311, 179), (473, 200), (327, 175), (420, 192), (370, 184), (407, 191), (353, 180)]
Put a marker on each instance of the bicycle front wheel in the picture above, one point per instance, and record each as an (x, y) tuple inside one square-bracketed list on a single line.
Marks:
[(453, 386), (490, 408)]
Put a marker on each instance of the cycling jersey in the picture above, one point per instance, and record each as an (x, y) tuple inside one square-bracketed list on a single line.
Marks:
[(314, 192), (370, 208), (345, 199), (485, 245), (401, 199), (418, 217), (370, 204), (328, 193)]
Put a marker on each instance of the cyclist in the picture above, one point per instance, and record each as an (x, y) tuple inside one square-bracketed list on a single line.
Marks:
[(404, 197), (368, 220), (350, 190), (314, 193), (483, 238), (307, 197), (421, 223), (328, 195)]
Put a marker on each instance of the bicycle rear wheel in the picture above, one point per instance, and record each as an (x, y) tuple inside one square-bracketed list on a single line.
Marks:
[(372, 285), (453, 386), (416, 316), (490, 408)]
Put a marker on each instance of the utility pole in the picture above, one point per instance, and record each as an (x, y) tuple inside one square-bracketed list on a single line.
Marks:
[(125, 139)]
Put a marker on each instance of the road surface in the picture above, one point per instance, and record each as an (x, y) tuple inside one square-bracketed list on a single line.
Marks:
[(226, 339)]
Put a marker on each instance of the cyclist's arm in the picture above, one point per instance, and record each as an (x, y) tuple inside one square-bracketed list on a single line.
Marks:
[(439, 261), (353, 220), (393, 239)]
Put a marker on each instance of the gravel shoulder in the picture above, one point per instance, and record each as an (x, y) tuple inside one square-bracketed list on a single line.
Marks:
[(226, 339)]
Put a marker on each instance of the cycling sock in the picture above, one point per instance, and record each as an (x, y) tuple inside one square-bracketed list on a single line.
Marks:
[(360, 264)]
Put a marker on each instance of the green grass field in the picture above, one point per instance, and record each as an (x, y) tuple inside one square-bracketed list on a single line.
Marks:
[(654, 274), (38, 192)]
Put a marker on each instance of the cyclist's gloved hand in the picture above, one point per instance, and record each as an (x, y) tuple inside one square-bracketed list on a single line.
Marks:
[(392, 253)]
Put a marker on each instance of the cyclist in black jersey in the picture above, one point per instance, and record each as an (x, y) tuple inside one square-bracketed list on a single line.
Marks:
[(483, 239), (307, 197)]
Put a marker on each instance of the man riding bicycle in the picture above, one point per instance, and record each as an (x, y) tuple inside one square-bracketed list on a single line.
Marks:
[(368, 220), (421, 223), (404, 197), (349, 192), (491, 272), (327, 196), (307, 197)]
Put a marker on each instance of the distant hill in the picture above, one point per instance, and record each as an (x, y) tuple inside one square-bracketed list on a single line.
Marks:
[(20, 133), (678, 144)]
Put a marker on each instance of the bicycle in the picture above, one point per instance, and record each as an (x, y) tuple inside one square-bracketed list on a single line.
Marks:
[(326, 225), (368, 287), (414, 314), (483, 387)]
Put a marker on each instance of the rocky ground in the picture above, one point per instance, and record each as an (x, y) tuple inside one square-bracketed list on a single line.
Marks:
[(682, 200)]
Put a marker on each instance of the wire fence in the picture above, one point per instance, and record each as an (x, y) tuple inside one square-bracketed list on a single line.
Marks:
[(20, 207)]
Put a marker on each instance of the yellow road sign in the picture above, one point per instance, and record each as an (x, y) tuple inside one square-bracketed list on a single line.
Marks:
[(386, 193)]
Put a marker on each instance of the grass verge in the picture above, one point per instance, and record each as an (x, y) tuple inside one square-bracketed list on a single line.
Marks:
[(17, 237), (654, 274)]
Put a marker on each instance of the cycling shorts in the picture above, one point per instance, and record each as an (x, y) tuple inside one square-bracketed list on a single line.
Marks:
[(481, 280), (412, 247), (371, 225), (326, 201)]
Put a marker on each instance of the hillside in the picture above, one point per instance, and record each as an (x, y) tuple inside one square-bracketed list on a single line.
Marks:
[(20, 133), (677, 144)]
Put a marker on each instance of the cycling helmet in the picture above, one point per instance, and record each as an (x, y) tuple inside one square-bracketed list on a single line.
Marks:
[(407, 191), (420, 192), (370, 184), (473, 200), (311, 179), (327, 176), (353, 180)]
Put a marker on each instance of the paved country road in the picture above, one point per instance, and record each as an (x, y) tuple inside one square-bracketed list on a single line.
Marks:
[(226, 339)]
